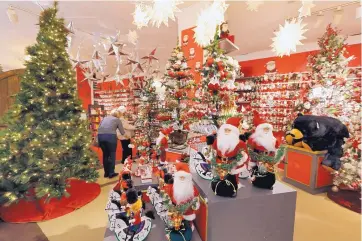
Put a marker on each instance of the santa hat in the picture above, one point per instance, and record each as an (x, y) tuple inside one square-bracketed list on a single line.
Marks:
[(233, 124), (182, 169), (260, 123), (167, 131)]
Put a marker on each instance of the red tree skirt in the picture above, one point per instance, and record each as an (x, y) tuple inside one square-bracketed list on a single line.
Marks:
[(347, 199), (80, 192)]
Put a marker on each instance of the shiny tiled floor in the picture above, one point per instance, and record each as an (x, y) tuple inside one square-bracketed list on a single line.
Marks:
[(317, 219)]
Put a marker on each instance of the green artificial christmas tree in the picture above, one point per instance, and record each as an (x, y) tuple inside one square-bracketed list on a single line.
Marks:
[(179, 81), (336, 92), (218, 82), (147, 129), (47, 141)]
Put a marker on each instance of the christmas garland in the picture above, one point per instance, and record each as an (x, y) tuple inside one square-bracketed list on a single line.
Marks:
[(265, 158), (224, 166)]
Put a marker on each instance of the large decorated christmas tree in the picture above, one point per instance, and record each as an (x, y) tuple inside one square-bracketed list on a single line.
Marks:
[(47, 141), (218, 76), (336, 93)]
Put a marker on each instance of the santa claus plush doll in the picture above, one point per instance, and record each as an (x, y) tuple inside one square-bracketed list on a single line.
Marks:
[(182, 202), (264, 153), (162, 144), (231, 159), (125, 182)]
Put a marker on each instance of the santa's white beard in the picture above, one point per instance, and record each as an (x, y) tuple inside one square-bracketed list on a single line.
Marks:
[(266, 140), (159, 138), (227, 143), (183, 190)]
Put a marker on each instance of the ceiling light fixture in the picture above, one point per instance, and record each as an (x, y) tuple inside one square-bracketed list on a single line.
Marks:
[(320, 19), (253, 5), (288, 37), (12, 15), (338, 15), (358, 12)]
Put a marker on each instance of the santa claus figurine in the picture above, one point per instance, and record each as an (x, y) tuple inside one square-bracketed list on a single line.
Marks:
[(141, 161), (127, 166), (182, 202), (230, 161), (263, 153), (162, 144)]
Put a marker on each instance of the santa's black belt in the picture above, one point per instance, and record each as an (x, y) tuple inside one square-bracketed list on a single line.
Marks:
[(264, 152), (227, 158)]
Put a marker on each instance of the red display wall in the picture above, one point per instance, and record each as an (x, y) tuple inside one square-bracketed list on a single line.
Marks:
[(293, 63), (84, 90)]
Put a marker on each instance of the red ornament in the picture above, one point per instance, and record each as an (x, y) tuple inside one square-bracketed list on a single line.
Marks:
[(181, 74), (209, 61), (214, 86), (171, 74), (178, 94), (220, 65)]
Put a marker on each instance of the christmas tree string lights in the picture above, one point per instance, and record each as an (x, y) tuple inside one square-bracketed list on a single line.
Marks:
[(46, 142)]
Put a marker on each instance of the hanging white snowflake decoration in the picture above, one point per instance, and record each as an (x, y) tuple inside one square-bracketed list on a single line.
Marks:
[(288, 37), (163, 10), (305, 10), (142, 15), (207, 22), (253, 6)]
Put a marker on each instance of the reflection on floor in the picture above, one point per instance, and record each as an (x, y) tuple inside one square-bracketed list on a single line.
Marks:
[(317, 219)]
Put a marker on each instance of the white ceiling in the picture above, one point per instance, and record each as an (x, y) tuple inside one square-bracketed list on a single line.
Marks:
[(253, 30)]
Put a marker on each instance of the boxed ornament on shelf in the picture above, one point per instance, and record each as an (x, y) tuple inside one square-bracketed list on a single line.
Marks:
[(304, 170), (146, 173)]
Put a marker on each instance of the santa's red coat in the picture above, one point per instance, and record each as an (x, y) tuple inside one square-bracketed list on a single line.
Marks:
[(190, 214), (163, 143), (255, 146), (241, 146)]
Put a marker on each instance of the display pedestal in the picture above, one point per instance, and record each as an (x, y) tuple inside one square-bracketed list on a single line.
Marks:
[(304, 170), (254, 215)]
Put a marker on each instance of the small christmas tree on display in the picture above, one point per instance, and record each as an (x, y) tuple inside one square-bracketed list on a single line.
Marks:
[(178, 80), (336, 93), (47, 141), (218, 77), (146, 126)]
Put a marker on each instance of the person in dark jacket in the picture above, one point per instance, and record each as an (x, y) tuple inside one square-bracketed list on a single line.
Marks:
[(107, 138)]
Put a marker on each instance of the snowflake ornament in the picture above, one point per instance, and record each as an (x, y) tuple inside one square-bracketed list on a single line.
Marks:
[(163, 10), (253, 6), (305, 10), (288, 37)]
